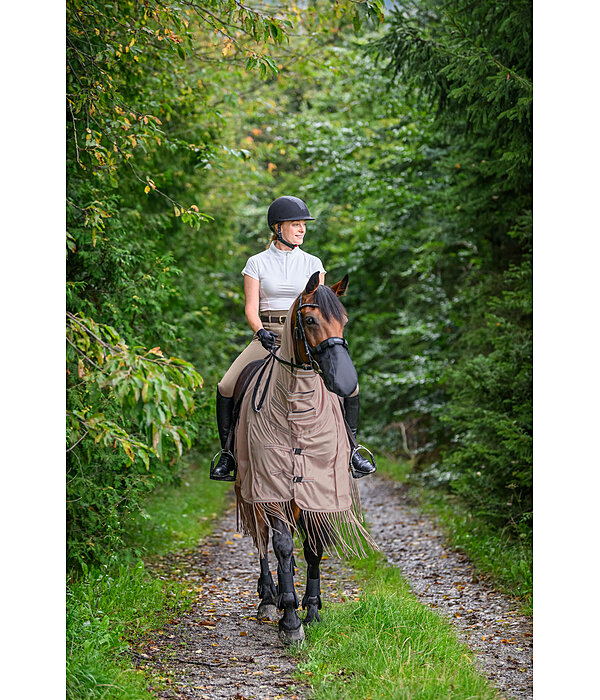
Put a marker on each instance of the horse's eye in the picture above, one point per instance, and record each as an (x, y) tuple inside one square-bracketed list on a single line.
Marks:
[(310, 321)]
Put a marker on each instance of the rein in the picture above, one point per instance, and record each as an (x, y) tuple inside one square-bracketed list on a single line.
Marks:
[(311, 353)]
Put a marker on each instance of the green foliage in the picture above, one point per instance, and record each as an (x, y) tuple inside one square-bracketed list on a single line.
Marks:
[(413, 149), (128, 417), (151, 256), (108, 609), (482, 62)]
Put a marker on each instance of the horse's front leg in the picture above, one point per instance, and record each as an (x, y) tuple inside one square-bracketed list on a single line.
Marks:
[(290, 626), (266, 586), (312, 598)]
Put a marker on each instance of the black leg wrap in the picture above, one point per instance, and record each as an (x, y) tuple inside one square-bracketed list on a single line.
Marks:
[(313, 593), (266, 586), (285, 589)]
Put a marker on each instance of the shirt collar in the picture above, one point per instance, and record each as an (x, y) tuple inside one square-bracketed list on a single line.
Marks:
[(276, 250)]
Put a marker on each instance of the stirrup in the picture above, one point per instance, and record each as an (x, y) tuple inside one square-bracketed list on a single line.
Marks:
[(231, 476), (371, 458)]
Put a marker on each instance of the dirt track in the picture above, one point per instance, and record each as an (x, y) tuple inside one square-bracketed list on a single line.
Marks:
[(219, 649), (488, 621)]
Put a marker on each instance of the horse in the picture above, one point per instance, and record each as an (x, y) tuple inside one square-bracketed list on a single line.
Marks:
[(293, 456)]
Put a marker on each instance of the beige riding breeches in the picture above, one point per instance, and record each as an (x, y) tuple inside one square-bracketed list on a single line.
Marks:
[(253, 351)]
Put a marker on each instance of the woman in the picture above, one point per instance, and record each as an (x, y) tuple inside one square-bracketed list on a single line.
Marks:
[(272, 281)]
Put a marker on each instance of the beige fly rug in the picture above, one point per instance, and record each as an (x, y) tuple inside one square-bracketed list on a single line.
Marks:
[(295, 450)]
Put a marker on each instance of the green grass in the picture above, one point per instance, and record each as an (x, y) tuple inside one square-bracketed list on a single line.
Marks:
[(178, 518), (106, 611), (111, 610), (387, 645), (498, 554)]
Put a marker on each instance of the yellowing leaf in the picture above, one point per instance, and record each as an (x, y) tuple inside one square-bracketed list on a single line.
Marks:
[(128, 451)]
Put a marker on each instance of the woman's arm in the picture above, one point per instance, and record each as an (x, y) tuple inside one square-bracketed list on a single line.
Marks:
[(251, 288)]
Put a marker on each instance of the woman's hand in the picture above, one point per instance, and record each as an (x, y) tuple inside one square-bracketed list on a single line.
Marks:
[(267, 338)]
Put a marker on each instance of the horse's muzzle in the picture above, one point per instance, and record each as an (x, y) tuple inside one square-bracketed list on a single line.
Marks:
[(337, 369)]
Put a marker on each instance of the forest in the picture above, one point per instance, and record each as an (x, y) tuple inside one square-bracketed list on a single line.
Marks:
[(407, 128)]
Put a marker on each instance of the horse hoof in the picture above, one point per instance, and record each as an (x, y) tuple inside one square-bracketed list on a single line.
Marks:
[(311, 616), (266, 611), (289, 637)]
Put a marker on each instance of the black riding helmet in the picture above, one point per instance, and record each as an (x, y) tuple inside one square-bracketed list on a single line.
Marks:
[(287, 208)]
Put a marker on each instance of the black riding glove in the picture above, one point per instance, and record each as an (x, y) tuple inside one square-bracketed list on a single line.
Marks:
[(267, 338)]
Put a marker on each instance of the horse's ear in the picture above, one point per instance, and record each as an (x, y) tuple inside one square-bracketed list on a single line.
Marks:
[(312, 283), (340, 287)]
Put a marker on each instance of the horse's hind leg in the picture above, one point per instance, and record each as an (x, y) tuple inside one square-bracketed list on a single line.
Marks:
[(312, 598), (290, 626), (266, 586)]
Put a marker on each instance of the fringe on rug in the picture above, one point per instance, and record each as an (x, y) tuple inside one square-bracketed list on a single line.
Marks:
[(340, 532)]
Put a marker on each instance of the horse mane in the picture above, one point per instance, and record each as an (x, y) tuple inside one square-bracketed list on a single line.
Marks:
[(329, 303)]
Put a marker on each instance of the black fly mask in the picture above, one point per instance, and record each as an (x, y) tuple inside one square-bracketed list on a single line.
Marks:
[(330, 358)]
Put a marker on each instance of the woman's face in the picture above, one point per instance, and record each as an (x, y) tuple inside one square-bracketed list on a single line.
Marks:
[(293, 231)]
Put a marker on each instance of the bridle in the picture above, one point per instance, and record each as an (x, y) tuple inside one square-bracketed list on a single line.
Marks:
[(301, 341), (300, 337), (293, 365)]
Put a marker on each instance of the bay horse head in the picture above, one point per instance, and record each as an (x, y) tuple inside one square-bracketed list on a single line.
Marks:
[(318, 325)]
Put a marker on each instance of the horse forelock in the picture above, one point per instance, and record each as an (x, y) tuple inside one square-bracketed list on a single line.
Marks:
[(329, 304)]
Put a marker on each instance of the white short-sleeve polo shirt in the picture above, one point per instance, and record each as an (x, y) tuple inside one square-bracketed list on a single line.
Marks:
[(282, 275)]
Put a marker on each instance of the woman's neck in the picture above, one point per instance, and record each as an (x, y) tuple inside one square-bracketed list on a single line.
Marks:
[(282, 246)]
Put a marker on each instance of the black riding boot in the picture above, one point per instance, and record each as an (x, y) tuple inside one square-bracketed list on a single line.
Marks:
[(361, 466), (224, 470)]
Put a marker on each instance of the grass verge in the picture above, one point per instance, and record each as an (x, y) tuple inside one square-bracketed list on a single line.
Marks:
[(107, 611), (387, 645), (178, 518), (507, 560), (111, 609)]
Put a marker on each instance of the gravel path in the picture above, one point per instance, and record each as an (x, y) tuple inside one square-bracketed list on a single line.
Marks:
[(488, 621), (219, 650)]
